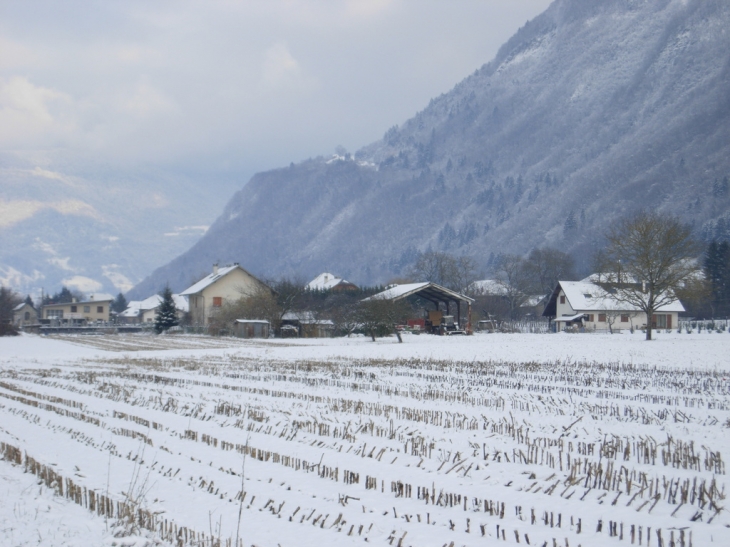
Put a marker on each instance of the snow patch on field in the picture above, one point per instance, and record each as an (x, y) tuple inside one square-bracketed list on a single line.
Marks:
[(340, 441)]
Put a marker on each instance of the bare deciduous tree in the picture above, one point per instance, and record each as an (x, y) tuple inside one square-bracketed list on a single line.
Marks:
[(648, 259), (380, 316), (546, 267), (515, 278), (260, 304), (453, 272)]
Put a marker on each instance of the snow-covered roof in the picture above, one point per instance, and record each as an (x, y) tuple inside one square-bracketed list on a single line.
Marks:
[(608, 277), (257, 321), (100, 297), (396, 292), (533, 300), (305, 318), (19, 306), (495, 287), (490, 286), (135, 307), (181, 302), (587, 296), (569, 318), (209, 280), (325, 281)]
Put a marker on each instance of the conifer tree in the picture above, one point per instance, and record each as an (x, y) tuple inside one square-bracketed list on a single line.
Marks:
[(166, 315), (717, 272), (120, 303)]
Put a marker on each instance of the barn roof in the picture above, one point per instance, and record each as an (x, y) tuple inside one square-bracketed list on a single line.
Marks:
[(429, 291)]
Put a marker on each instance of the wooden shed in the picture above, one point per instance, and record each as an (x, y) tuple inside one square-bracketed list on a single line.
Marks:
[(251, 328)]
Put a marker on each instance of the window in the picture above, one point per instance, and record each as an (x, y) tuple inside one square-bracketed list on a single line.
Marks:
[(74, 309), (54, 314), (562, 299), (660, 321), (27, 316), (100, 309), (590, 317), (217, 301), (87, 309), (624, 318), (601, 317)]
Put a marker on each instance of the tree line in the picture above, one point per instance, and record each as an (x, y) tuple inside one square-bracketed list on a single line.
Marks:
[(648, 258)]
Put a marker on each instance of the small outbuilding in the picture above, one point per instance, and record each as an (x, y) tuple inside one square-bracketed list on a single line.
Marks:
[(24, 314), (251, 328), (306, 325)]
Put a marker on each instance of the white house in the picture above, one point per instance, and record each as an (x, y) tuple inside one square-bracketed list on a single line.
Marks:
[(590, 305), (224, 285), (144, 311), (329, 282)]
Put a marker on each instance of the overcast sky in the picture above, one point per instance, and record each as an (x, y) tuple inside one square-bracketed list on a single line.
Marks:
[(230, 86)]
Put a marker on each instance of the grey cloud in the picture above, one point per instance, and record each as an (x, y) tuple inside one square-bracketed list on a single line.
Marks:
[(238, 85)]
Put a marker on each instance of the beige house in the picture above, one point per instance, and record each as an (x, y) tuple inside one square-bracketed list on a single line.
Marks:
[(24, 314), (90, 311), (587, 304), (225, 285)]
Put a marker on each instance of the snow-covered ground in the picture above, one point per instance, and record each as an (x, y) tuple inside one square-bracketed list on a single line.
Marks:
[(537, 438)]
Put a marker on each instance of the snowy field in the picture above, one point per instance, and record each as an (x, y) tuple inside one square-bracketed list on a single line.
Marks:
[(559, 439)]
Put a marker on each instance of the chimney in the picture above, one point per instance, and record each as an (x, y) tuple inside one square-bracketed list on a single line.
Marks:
[(73, 300), (215, 269)]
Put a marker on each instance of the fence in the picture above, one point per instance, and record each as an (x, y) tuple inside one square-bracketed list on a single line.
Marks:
[(718, 325), (534, 326)]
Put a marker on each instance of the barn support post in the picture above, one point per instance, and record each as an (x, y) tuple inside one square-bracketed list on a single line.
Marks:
[(468, 319)]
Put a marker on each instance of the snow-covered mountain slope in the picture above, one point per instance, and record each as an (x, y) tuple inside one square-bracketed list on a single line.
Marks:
[(94, 230), (594, 109)]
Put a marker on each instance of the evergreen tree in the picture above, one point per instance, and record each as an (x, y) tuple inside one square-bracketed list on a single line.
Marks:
[(8, 300), (29, 301), (120, 303), (63, 297), (166, 315), (570, 223), (717, 272)]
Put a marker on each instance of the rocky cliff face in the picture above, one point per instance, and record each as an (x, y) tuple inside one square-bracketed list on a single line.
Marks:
[(594, 109)]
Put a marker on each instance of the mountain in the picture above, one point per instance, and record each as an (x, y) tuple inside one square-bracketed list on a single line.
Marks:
[(95, 230), (592, 110)]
